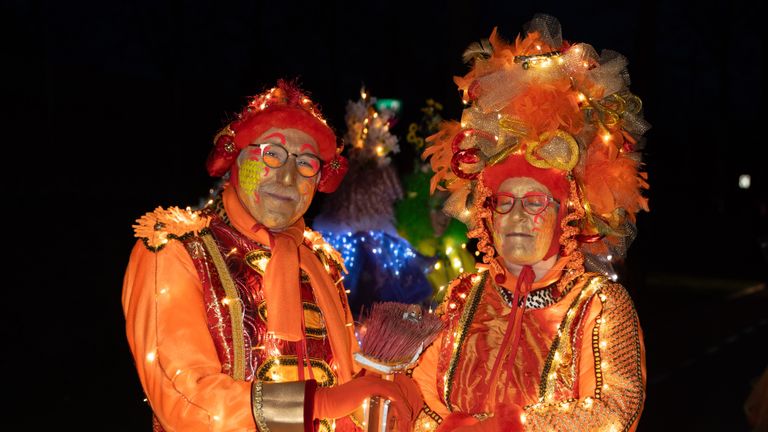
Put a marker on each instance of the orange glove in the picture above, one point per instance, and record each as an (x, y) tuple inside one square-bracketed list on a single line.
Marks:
[(412, 394), (342, 400)]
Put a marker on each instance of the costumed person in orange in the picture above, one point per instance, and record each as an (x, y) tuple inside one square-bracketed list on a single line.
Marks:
[(544, 168), (236, 315)]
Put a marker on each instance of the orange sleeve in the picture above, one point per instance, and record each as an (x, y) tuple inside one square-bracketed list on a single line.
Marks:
[(612, 372), (425, 375), (174, 354)]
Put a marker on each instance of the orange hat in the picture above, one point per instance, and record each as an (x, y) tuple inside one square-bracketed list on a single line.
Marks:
[(284, 106)]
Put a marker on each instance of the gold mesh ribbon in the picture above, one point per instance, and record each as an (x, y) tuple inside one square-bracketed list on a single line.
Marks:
[(554, 149)]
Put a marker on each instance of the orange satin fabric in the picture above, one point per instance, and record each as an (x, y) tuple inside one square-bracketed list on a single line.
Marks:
[(484, 336), (176, 360), (520, 381), (175, 356)]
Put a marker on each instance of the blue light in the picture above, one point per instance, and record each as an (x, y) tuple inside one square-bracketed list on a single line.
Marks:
[(394, 250)]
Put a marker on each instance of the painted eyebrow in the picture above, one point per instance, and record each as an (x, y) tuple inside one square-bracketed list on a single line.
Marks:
[(277, 135), (510, 194), (307, 146)]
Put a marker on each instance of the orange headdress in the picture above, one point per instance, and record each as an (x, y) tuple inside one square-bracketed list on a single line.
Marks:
[(563, 110)]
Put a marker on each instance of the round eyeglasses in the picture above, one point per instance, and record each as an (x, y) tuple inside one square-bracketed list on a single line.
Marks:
[(533, 203), (275, 156)]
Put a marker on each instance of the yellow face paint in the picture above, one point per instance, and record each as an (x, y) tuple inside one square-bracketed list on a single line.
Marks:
[(249, 175), (275, 197), (306, 187)]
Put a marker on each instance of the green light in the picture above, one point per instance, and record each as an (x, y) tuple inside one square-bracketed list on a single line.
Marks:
[(393, 105)]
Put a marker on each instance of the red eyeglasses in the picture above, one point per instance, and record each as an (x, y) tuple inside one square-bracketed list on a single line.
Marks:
[(533, 203), (275, 156)]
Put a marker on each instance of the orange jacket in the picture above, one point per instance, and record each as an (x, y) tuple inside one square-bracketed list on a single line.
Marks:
[(581, 361), (175, 357), (169, 332)]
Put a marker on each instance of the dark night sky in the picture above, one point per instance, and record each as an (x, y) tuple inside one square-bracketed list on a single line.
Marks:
[(115, 104)]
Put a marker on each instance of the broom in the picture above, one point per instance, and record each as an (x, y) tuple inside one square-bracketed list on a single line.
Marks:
[(393, 337)]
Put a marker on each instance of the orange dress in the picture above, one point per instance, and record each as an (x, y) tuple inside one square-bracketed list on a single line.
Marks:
[(580, 363)]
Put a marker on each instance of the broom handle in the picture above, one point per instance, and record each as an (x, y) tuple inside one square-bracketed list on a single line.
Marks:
[(378, 411)]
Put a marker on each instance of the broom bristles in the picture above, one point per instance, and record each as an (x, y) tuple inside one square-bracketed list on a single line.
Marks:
[(395, 332)]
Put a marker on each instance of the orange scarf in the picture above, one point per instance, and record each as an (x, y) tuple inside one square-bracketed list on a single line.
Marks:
[(521, 286), (281, 285), (510, 280)]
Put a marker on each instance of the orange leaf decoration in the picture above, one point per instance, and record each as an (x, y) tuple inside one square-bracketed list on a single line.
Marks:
[(158, 227), (441, 153), (611, 180)]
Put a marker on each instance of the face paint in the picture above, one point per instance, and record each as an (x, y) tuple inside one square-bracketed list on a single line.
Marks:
[(315, 165), (277, 135), (249, 176), (276, 197), (249, 173), (305, 188), (519, 237)]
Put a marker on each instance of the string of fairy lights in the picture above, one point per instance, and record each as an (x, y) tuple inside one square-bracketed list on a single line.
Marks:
[(394, 252)]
